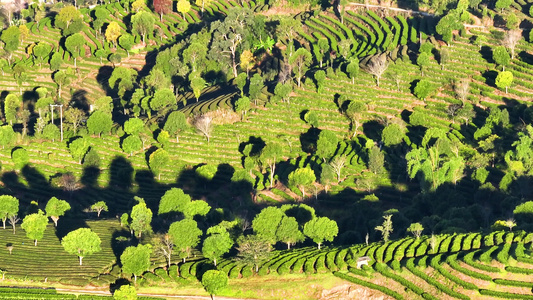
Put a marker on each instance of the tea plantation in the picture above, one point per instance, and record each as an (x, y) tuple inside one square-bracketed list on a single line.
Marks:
[(260, 149)]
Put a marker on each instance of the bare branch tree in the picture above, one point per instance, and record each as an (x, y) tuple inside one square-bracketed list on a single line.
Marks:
[(511, 39), (461, 88), (13, 219), (452, 111), (377, 65), (204, 124), (337, 163)]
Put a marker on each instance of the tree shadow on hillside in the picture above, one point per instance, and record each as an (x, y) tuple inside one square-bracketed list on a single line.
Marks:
[(104, 73), (66, 225), (79, 100), (308, 140)]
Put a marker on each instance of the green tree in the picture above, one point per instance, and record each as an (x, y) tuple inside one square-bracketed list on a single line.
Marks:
[(503, 4), (288, 231), (196, 207), (131, 144), (99, 122), (69, 20), (415, 229), (20, 157), (283, 91), (185, 235), (301, 178), (136, 260), (253, 250), (11, 39), (141, 217), (35, 225), (423, 61), (256, 86), (12, 104), (7, 135), (125, 292), (311, 117), (176, 122), (78, 148), (353, 68), (9, 206), (142, 23), (162, 99), (321, 229), (122, 79), (321, 50), (240, 82), (82, 242), (299, 62), (74, 45), (385, 228), (270, 156), (326, 144), (196, 54), (157, 161), (197, 84), (174, 200), (447, 25), (51, 132), (99, 207), (501, 56), (216, 244), (214, 281), (41, 51), (353, 112), (266, 222), (242, 105), (56, 208), (61, 79), (104, 104), (320, 77), (423, 89), (392, 135), (504, 80), (126, 41), (55, 62), (101, 53), (376, 160), (133, 126)]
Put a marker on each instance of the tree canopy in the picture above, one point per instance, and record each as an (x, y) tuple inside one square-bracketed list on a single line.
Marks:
[(81, 242)]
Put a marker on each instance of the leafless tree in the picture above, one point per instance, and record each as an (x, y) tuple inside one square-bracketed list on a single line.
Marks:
[(452, 111), (13, 219), (377, 65), (204, 124), (164, 247), (285, 73), (337, 163), (461, 88), (433, 242), (69, 183), (511, 39)]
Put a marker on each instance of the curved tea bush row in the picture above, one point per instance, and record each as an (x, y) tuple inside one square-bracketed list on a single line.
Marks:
[(504, 295), (435, 264), (370, 285), (384, 270), (432, 281)]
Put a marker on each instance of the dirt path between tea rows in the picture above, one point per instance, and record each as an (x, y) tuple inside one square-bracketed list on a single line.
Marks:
[(107, 293)]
